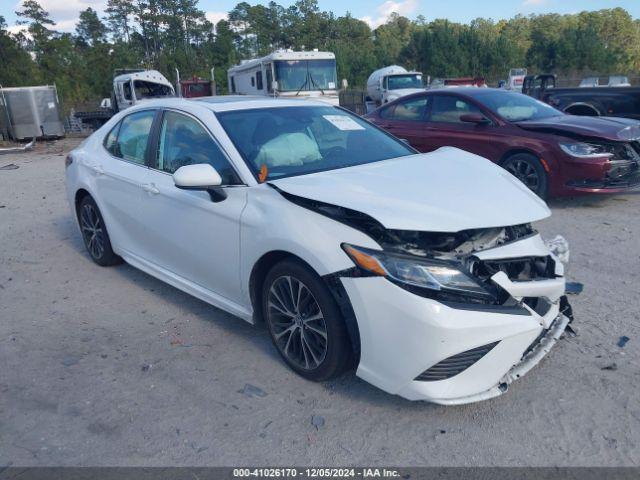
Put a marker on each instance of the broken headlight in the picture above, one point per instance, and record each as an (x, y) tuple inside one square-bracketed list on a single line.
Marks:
[(585, 150), (434, 275)]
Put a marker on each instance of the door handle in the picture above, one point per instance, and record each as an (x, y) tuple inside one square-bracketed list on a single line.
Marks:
[(151, 188)]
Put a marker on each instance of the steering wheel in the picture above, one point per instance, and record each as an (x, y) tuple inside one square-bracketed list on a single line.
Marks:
[(334, 152)]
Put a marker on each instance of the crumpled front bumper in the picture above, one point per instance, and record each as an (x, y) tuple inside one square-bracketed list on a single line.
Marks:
[(403, 335), (529, 360)]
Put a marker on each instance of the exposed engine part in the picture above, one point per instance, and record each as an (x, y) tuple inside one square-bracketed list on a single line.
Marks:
[(559, 247), (517, 269)]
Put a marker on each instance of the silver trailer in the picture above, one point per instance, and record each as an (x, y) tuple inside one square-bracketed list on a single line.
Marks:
[(30, 112)]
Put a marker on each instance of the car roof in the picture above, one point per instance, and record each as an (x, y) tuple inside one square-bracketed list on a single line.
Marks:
[(473, 91), (233, 102)]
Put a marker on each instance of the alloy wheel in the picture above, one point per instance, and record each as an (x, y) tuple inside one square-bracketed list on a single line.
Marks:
[(92, 230), (297, 323), (525, 172)]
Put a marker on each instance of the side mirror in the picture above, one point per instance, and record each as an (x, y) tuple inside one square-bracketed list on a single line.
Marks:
[(274, 85), (476, 118), (201, 176)]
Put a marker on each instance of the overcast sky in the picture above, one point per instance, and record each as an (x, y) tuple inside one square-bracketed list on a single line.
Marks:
[(65, 12)]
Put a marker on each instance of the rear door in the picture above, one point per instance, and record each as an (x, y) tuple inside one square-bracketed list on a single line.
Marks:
[(119, 175), (188, 234), (405, 120)]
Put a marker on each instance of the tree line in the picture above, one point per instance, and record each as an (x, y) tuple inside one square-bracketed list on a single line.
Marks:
[(170, 34)]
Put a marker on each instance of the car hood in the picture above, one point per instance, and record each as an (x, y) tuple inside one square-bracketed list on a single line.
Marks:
[(444, 191), (608, 128)]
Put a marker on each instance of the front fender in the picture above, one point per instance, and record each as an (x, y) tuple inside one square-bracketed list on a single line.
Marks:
[(272, 223)]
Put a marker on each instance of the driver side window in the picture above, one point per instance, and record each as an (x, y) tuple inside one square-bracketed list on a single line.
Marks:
[(183, 141), (449, 109)]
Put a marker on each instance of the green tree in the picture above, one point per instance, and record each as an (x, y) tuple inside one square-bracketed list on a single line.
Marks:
[(119, 13), (90, 30), (17, 67), (38, 22)]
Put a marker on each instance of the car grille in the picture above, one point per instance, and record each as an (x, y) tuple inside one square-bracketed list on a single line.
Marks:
[(625, 160), (517, 269), (454, 365)]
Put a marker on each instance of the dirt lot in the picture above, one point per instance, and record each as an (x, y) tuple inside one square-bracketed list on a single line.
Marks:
[(108, 366)]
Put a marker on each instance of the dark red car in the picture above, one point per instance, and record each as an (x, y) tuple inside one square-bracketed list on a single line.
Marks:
[(553, 153)]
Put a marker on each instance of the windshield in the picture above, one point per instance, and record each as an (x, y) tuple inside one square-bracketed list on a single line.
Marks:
[(305, 75), (292, 141), (151, 90), (516, 107), (396, 82)]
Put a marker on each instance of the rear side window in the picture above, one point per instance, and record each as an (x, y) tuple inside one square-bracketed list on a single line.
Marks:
[(183, 141), (110, 141), (133, 136)]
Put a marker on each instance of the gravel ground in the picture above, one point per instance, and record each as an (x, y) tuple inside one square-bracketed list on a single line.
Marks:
[(109, 366)]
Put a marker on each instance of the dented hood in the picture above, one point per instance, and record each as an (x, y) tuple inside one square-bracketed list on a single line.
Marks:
[(444, 191), (608, 128)]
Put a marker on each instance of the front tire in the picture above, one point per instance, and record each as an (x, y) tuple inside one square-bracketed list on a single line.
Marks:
[(529, 170), (304, 322), (94, 233)]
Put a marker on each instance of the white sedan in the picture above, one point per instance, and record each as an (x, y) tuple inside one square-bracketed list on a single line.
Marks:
[(422, 270)]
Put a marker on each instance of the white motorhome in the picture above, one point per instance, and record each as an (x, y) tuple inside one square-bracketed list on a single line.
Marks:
[(286, 73)]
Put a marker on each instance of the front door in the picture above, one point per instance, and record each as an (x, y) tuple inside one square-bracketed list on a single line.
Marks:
[(445, 128), (190, 235), (405, 120)]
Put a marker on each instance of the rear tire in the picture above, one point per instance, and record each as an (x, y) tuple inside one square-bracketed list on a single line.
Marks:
[(304, 322), (94, 233), (529, 170)]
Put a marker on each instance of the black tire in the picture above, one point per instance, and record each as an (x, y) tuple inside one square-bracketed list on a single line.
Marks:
[(529, 170), (323, 361), (94, 233)]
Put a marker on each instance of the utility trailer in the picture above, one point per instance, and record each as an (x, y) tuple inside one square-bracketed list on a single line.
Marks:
[(30, 112)]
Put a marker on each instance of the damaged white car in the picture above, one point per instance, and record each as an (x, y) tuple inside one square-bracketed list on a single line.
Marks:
[(421, 270)]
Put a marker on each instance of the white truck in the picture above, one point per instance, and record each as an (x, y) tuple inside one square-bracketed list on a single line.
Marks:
[(516, 79), (388, 83), (286, 73), (130, 86)]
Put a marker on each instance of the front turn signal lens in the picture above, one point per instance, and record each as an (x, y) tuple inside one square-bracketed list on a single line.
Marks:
[(365, 261)]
